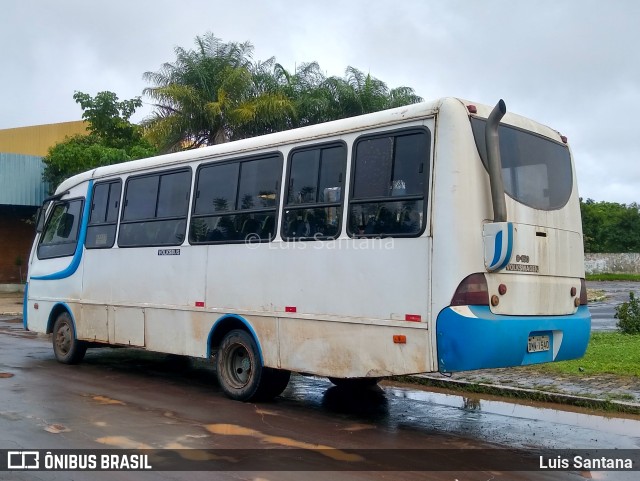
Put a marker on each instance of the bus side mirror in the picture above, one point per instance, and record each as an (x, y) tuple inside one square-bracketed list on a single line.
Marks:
[(40, 215)]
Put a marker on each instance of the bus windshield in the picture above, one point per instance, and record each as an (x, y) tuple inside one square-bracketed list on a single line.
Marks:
[(536, 170)]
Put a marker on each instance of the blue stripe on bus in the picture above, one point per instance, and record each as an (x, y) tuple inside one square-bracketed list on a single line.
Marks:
[(500, 261), (507, 258), (246, 324), (491, 341), (24, 306), (66, 308), (77, 256), (497, 250)]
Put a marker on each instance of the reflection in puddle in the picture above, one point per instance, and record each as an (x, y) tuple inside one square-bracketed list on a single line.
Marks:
[(613, 425), (472, 404), (368, 403)]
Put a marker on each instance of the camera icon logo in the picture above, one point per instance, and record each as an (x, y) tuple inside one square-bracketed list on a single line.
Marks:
[(23, 460)]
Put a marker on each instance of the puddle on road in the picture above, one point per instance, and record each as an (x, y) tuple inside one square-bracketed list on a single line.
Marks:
[(57, 429), (18, 332), (235, 430), (604, 423), (503, 423), (122, 442), (357, 427), (265, 412), (108, 401), (11, 320), (190, 454)]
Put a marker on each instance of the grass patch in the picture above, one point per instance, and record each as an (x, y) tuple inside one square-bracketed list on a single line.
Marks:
[(607, 353), (614, 277), (621, 397)]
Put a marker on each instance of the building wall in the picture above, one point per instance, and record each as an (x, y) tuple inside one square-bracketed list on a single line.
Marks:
[(21, 180), (627, 263), (16, 236), (37, 140), (22, 189)]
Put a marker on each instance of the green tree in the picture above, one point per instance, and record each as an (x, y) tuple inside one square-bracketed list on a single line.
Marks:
[(610, 227), (216, 93), (359, 93), (210, 95), (108, 118), (111, 138), (628, 315)]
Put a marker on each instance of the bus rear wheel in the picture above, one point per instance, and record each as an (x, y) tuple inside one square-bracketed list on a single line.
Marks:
[(240, 371), (67, 349)]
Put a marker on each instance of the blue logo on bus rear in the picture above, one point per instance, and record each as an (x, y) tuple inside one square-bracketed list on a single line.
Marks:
[(498, 245)]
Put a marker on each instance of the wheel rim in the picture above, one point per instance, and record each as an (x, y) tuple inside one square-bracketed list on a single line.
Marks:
[(63, 339), (238, 365)]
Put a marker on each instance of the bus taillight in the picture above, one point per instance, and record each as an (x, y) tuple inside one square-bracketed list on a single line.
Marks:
[(472, 291), (583, 293)]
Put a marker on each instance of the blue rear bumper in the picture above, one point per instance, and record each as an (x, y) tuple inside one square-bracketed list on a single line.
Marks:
[(474, 338)]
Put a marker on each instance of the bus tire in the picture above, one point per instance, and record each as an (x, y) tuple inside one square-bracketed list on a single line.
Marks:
[(355, 382), (274, 382), (238, 366), (67, 349)]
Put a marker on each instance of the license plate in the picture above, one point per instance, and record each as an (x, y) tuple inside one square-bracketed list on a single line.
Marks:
[(538, 343)]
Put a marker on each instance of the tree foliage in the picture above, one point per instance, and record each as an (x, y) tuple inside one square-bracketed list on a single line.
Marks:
[(216, 92), (610, 227), (628, 315), (111, 138)]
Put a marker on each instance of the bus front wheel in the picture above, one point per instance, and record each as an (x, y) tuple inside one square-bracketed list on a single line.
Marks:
[(240, 371), (67, 349)]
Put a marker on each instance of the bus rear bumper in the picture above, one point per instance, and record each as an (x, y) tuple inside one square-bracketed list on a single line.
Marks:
[(472, 337)]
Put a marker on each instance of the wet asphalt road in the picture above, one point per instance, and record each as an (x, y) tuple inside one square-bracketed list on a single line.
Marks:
[(125, 398), (602, 312)]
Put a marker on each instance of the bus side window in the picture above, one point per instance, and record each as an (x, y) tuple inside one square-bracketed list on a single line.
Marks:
[(103, 221), (389, 184), (236, 201), (314, 193), (60, 236), (155, 209)]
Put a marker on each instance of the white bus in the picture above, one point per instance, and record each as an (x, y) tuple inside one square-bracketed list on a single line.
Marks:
[(442, 236)]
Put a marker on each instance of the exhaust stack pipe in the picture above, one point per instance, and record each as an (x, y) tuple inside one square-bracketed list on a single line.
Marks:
[(495, 164)]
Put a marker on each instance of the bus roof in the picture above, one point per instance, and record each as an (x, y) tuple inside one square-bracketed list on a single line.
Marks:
[(303, 134)]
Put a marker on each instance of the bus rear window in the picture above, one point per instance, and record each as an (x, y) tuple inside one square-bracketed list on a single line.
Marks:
[(536, 170)]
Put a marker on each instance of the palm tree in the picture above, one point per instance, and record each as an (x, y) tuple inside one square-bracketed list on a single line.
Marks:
[(265, 106), (305, 88), (359, 93), (210, 95), (216, 93)]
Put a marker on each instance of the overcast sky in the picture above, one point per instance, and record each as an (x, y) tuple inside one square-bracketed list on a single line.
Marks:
[(571, 64)]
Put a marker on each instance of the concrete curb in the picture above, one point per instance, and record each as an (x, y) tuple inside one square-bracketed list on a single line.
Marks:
[(523, 393)]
